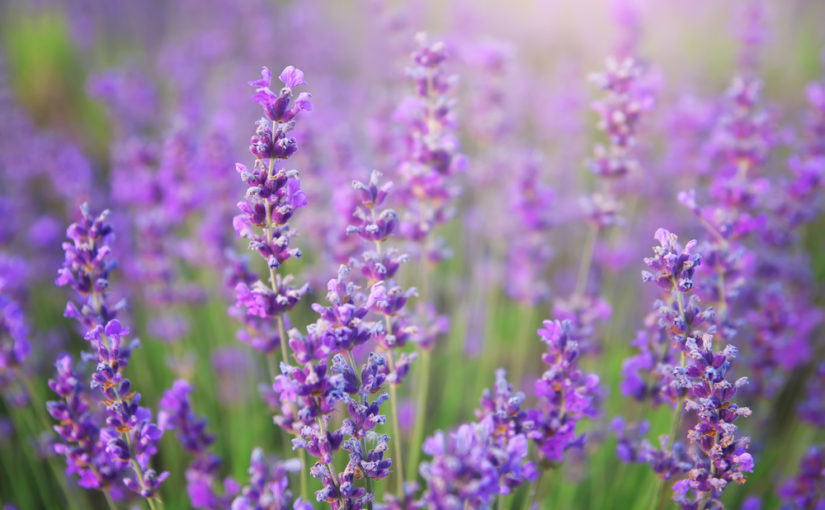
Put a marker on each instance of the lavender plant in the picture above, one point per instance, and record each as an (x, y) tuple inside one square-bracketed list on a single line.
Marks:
[(363, 361), (128, 437), (273, 195)]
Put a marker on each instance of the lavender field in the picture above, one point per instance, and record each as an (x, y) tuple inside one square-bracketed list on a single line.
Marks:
[(375, 254)]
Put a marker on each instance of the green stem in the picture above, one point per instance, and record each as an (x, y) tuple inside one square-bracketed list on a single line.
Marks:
[(109, 501), (21, 422), (304, 481), (586, 261), (420, 412), (523, 342), (541, 488), (282, 334)]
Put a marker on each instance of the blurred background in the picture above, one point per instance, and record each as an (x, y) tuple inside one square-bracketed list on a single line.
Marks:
[(143, 108)]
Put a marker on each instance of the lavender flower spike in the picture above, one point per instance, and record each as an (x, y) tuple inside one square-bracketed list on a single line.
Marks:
[(273, 195), (86, 269)]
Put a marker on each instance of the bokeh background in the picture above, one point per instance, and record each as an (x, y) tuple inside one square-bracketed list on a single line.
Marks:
[(103, 99)]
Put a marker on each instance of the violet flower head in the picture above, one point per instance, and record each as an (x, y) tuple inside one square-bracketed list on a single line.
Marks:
[(720, 456), (504, 406), (386, 299), (177, 414), (620, 110), (619, 113), (672, 266), (565, 394), (86, 268), (14, 336), (279, 107), (374, 223), (806, 488), (268, 484), (469, 467), (273, 195), (202, 473), (341, 326), (82, 442), (529, 254), (258, 332), (430, 155)]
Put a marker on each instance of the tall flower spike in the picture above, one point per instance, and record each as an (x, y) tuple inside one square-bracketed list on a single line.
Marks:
[(565, 394), (83, 442), (14, 343), (677, 364), (273, 195), (620, 110), (430, 156), (86, 269)]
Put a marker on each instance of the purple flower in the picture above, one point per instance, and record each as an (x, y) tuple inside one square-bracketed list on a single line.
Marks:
[(672, 266), (268, 484), (14, 337), (626, 98), (805, 489), (503, 405), (470, 467), (277, 106), (565, 394), (86, 269), (430, 151), (83, 443), (531, 201), (273, 195)]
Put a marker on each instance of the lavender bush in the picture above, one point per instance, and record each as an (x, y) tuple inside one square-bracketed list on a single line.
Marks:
[(402, 270)]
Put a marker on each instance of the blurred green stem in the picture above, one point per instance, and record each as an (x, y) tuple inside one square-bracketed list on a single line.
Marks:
[(420, 411), (522, 342), (586, 261), (109, 500), (304, 481)]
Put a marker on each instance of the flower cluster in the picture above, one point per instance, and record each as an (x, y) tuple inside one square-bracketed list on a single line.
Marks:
[(14, 340), (85, 444), (273, 195), (430, 155), (532, 202), (805, 490), (716, 455), (177, 414), (310, 392), (672, 323), (620, 111), (565, 394), (471, 466), (719, 455), (386, 299), (268, 485), (86, 269)]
